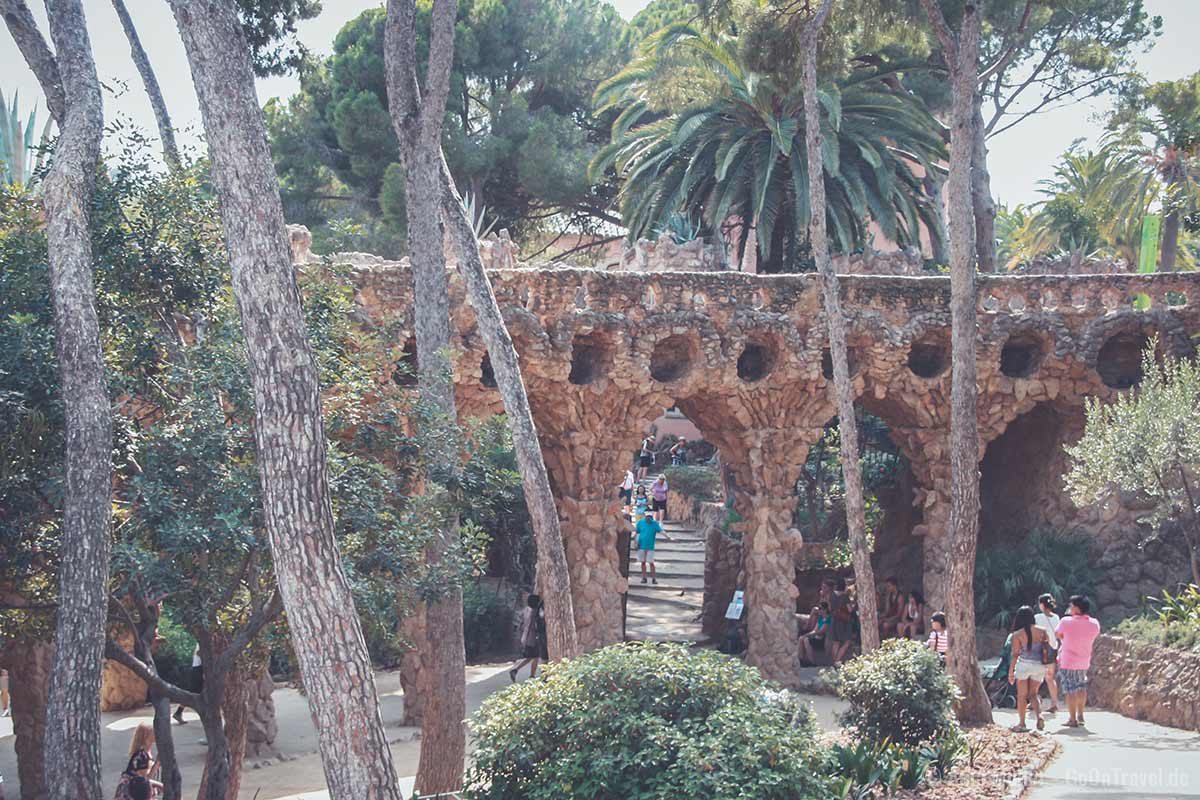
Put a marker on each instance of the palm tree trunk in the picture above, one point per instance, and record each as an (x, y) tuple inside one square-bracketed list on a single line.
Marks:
[(72, 740), (554, 579), (165, 131), (417, 117), (864, 575), (962, 57), (288, 428)]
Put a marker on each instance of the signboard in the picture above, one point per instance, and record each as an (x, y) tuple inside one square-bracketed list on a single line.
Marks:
[(735, 606)]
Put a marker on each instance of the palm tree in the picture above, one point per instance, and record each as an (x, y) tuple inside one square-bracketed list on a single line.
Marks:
[(736, 148), (20, 156)]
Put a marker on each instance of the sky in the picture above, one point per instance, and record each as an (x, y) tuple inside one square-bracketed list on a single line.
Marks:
[(1019, 158)]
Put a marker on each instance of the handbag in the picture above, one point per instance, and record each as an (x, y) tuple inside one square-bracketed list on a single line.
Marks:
[(1049, 655)]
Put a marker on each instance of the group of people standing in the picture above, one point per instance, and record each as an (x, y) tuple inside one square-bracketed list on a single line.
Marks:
[(1055, 650)]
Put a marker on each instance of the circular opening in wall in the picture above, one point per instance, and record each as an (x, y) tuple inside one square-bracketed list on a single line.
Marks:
[(405, 373), (928, 358), (590, 357), (827, 363), (487, 375), (672, 359), (1120, 360), (1021, 355), (756, 361)]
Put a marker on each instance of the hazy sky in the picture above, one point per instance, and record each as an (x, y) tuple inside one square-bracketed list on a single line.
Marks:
[(1019, 157)]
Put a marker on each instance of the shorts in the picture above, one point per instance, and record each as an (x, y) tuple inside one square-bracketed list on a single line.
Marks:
[(646, 556), (646, 461), (1071, 681), (1027, 670), (625, 495), (658, 505)]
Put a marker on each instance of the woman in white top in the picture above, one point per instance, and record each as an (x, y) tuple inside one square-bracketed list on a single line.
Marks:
[(1047, 620)]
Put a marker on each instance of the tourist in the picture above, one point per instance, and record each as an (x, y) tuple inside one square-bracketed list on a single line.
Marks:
[(197, 682), (5, 701), (841, 630), (1027, 668), (912, 617), (1047, 620), (679, 452), (138, 788), (142, 764), (641, 502), (626, 491), (646, 457), (533, 646), (658, 493), (889, 608), (1077, 633), (939, 636), (647, 536), (814, 638)]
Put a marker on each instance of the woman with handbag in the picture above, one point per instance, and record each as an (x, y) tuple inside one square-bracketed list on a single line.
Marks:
[(1027, 667), (1048, 621)]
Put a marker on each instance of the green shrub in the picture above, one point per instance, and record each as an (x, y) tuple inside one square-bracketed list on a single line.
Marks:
[(699, 483), (647, 721), (487, 621), (1181, 607), (1169, 621), (1013, 574), (173, 655), (899, 692)]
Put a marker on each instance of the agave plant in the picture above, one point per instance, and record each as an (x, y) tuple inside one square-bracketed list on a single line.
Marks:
[(20, 157), (738, 149)]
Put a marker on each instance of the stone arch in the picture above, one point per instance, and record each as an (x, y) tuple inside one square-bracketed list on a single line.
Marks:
[(1112, 344), (1022, 353), (929, 356), (591, 357)]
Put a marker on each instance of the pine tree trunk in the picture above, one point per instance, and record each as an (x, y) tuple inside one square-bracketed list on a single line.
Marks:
[(938, 244), (553, 575), (73, 709), (962, 537), (864, 575), (981, 197), (165, 132), (1170, 242), (326, 633), (417, 121)]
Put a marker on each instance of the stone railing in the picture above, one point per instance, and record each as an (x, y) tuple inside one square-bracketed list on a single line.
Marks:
[(1146, 682)]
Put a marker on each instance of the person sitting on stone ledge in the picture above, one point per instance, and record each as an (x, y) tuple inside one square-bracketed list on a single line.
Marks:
[(814, 638), (889, 608), (912, 617)]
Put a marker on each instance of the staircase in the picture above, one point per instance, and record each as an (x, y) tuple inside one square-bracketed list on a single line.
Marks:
[(670, 610)]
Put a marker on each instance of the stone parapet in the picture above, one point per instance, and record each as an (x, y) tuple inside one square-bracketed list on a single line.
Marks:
[(1146, 682)]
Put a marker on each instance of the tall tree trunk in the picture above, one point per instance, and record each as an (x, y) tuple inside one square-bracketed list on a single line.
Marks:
[(962, 57), (417, 117), (165, 131), (553, 576), (73, 709), (864, 575), (982, 202), (164, 738), (326, 632), (1170, 242), (23, 27)]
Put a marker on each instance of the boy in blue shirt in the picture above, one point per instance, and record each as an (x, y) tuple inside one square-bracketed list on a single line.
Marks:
[(647, 533)]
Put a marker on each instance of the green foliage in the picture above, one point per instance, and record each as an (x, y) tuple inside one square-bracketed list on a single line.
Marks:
[(698, 483), (270, 30), (173, 654), (487, 621), (739, 149), (643, 721), (1149, 630), (1181, 607), (1147, 442), (21, 155), (1012, 574), (898, 693), (946, 753)]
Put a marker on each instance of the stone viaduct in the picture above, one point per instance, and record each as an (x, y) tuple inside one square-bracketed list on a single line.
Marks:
[(745, 357)]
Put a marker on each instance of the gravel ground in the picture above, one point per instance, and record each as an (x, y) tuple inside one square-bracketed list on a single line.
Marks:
[(1004, 763)]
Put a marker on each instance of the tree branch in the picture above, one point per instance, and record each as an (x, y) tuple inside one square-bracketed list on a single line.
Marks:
[(944, 35), (437, 73), (37, 53), (258, 620), (1051, 98), (1001, 62), (114, 652)]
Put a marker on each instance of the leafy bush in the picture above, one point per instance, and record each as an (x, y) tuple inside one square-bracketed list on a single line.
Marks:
[(487, 621), (869, 766), (1182, 607), (698, 483), (646, 721), (1013, 574), (899, 692), (173, 654), (1148, 630)]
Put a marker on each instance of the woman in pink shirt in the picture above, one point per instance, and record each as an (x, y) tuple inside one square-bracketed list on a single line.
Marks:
[(1077, 633)]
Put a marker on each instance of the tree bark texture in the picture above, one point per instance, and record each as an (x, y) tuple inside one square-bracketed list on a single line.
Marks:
[(962, 58), (864, 575), (28, 663), (982, 202), (554, 579), (1170, 242), (37, 54), (290, 438), (417, 117), (165, 131), (939, 247), (73, 708), (164, 738)]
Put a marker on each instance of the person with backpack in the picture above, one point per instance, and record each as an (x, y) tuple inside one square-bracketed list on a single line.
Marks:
[(1048, 621)]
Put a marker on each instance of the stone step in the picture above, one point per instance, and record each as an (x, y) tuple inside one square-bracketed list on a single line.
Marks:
[(670, 580), (638, 597)]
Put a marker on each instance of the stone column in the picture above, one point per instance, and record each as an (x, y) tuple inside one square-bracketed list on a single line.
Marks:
[(590, 527), (770, 549), (28, 665)]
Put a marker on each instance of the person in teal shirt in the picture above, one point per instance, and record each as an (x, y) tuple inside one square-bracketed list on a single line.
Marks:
[(648, 530)]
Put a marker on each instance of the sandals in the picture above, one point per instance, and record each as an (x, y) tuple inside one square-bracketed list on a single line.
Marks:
[(1019, 728), (1041, 724)]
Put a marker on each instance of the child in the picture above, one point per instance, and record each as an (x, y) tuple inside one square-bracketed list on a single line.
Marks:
[(939, 637), (641, 502)]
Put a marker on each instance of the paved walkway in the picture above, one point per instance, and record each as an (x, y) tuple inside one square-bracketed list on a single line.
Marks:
[(670, 610)]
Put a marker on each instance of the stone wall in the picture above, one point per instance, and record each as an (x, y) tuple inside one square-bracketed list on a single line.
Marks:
[(664, 255), (1146, 682), (722, 568), (120, 689)]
